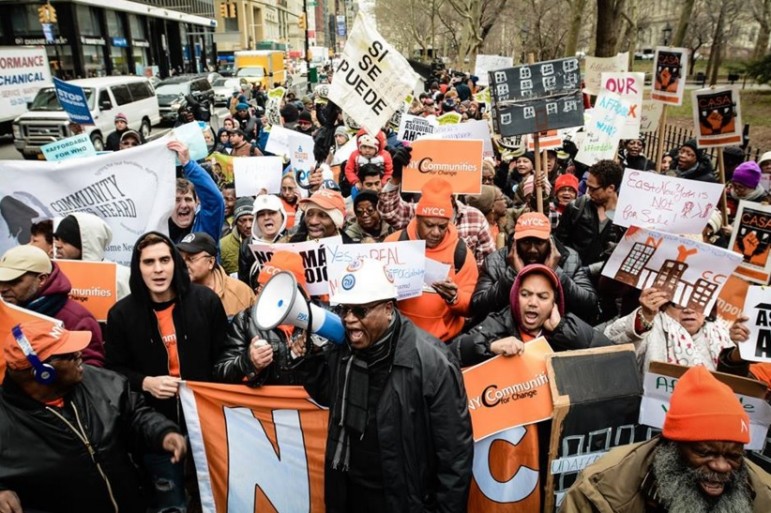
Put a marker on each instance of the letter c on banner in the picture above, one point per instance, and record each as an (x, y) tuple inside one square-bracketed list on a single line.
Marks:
[(520, 486), (713, 277)]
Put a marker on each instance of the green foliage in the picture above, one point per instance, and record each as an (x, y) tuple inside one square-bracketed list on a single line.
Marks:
[(760, 70)]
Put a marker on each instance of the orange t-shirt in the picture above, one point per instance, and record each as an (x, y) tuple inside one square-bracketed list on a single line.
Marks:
[(526, 337), (169, 337)]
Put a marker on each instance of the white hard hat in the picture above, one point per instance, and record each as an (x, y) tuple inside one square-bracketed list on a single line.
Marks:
[(364, 280)]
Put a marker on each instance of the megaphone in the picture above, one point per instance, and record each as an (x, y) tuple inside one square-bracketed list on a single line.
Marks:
[(282, 302)]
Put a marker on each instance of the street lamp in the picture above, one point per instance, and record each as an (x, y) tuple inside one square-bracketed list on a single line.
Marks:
[(667, 31)]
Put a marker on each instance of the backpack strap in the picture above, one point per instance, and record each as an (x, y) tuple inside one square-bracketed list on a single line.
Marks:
[(459, 258)]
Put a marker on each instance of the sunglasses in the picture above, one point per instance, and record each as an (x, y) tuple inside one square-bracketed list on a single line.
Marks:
[(358, 311)]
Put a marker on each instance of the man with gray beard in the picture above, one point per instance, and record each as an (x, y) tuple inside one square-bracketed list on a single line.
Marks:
[(696, 465)]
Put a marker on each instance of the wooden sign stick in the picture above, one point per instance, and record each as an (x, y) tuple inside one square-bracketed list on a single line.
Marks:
[(660, 146)]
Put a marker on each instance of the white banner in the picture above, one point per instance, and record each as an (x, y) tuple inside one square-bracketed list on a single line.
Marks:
[(630, 87), (757, 306), (411, 127), (603, 131), (23, 71), (372, 79), (487, 63), (253, 174), (666, 203), (405, 259), (132, 190)]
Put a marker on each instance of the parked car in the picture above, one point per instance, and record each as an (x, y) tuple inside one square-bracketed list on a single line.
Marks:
[(211, 77), (173, 92), (45, 121), (223, 89)]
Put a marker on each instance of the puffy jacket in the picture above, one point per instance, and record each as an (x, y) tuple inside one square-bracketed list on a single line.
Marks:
[(53, 300), (613, 484), (430, 311), (95, 236), (497, 277), (42, 460), (234, 366), (423, 425), (352, 166), (134, 346), (579, 228)]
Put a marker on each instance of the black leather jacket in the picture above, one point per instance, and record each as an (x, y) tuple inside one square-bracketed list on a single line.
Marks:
[(50, 468), (579, 228)]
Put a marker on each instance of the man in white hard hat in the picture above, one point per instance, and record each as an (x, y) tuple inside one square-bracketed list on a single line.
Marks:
[(399, 429)]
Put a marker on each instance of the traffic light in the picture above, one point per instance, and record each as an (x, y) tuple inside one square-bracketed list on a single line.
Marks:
[(301, 22), (224, 10), (232, 10), (43, 15), (51, 14)]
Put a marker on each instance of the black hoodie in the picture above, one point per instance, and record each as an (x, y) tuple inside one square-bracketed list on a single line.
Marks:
[(133, 344)]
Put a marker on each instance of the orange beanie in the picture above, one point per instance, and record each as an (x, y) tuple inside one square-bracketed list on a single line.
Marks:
[(704, 409), (435, 201), (283, 261)]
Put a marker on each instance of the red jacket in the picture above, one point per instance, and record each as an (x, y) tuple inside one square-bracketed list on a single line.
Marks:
[(352, 166)]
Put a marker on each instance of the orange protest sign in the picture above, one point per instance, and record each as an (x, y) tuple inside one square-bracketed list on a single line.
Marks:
[(509, 391), (457, 161), (94, 285), (10, 316), (730, 302)]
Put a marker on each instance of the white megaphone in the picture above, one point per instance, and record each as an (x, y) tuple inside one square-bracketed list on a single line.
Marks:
[(282, 302)]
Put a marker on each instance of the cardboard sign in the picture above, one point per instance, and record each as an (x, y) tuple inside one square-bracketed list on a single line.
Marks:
[(457, 161), (10, 316), (751, 238), (665, 203), (651, 114), (192, 135), (74, 102), (692, 273), (660, 382), (487, 63), (537, 97), (629, 86), (546, 140), (314, 260), (603, 132), (717, 116), (71, 147), (273, 106), (301, 157), (596, 66), (256, 175), (509, 391), (411, 127), (278, 140), (449, 118), (730, 302), (405, 260), (94, 285), (473, 129), (372, 79), (757, 306), (670, 68), (222, 167)]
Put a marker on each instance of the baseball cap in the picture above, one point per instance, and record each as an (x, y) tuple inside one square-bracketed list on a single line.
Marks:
[(532, 224), (47, 339), (329, 201), (197, 242), (131, 133), (23, 259)]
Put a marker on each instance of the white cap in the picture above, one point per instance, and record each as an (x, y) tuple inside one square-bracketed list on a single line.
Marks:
[(266, 202), (365, 280), (766, 156)]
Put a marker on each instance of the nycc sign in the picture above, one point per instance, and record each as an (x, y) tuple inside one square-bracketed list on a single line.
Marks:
[(457, 161)]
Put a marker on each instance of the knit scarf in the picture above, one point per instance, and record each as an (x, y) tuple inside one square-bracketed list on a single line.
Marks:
[(350, 413), (669, 342), (48, 305)]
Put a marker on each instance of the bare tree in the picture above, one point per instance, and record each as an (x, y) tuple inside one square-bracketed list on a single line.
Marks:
[(682, 24), (607, 31), (477, 18), (761, 11), (577, 8)]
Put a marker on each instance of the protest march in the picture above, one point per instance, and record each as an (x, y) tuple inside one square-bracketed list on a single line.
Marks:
[(498, 291)]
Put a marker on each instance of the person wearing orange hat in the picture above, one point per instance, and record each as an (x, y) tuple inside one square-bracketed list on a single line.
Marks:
[(258, 357), (565, 191), (66, 429), (442, 308), (696, 465), (323, 216)]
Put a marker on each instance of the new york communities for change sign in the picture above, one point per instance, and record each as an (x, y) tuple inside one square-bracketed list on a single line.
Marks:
[(537, 97), (373, 78)]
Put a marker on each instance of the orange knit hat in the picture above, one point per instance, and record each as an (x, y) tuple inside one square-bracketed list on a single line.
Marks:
[(704, 409), (284, 261), (435, 201)]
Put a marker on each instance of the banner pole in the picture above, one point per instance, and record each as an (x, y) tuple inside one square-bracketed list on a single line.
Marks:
[(721, 172), (660, 147), (537, 152)]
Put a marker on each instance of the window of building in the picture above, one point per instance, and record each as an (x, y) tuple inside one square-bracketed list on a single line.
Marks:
[(137, 27), (93, 61), (24, 19), (115, 27), (119, 58), (88, 20)]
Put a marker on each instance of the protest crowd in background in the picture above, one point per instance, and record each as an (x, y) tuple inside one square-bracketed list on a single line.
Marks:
[(490, 282)]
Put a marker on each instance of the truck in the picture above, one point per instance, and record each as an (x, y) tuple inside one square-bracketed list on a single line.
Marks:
[(23, 72), (260, 66)]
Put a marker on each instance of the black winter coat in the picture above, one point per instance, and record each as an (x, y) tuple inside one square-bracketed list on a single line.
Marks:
[(702, 172), (571, 333), (579, 228), (47, 465), (497, 277), (423, 426)]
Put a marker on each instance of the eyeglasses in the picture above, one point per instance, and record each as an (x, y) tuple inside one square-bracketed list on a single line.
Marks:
[(368, 212), (192, 260), (358, 311), (590, 188)]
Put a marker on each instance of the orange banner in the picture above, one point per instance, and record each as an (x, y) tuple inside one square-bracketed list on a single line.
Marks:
[(10, 316), (94, 285), (509, 391), (456, 160), (730, 302)]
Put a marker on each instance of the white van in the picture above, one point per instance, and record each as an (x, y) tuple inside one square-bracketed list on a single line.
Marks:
[(46, 122)]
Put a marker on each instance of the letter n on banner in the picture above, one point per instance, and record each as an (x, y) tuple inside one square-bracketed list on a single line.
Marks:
[(256, 450)]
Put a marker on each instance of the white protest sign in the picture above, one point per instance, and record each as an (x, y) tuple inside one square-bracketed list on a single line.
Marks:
[(253, 174), (314, 260), (751, 238), (603, 132), (192, 135), (670, 69), (473, 129), (372, 79), (661, 202), (411, 127), (278, 140), (486, 63), (132, 190), (21, 77), (345, 151), (692, 273), (71, 147), (405, 260), (435, 272), (757, 306), (651, 114), (301, 156), (717, 116), (630, 87), (596, 66), (658, 385), (273, 106)]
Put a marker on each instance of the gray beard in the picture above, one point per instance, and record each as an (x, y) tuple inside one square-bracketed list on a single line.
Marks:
[(679, 490)]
